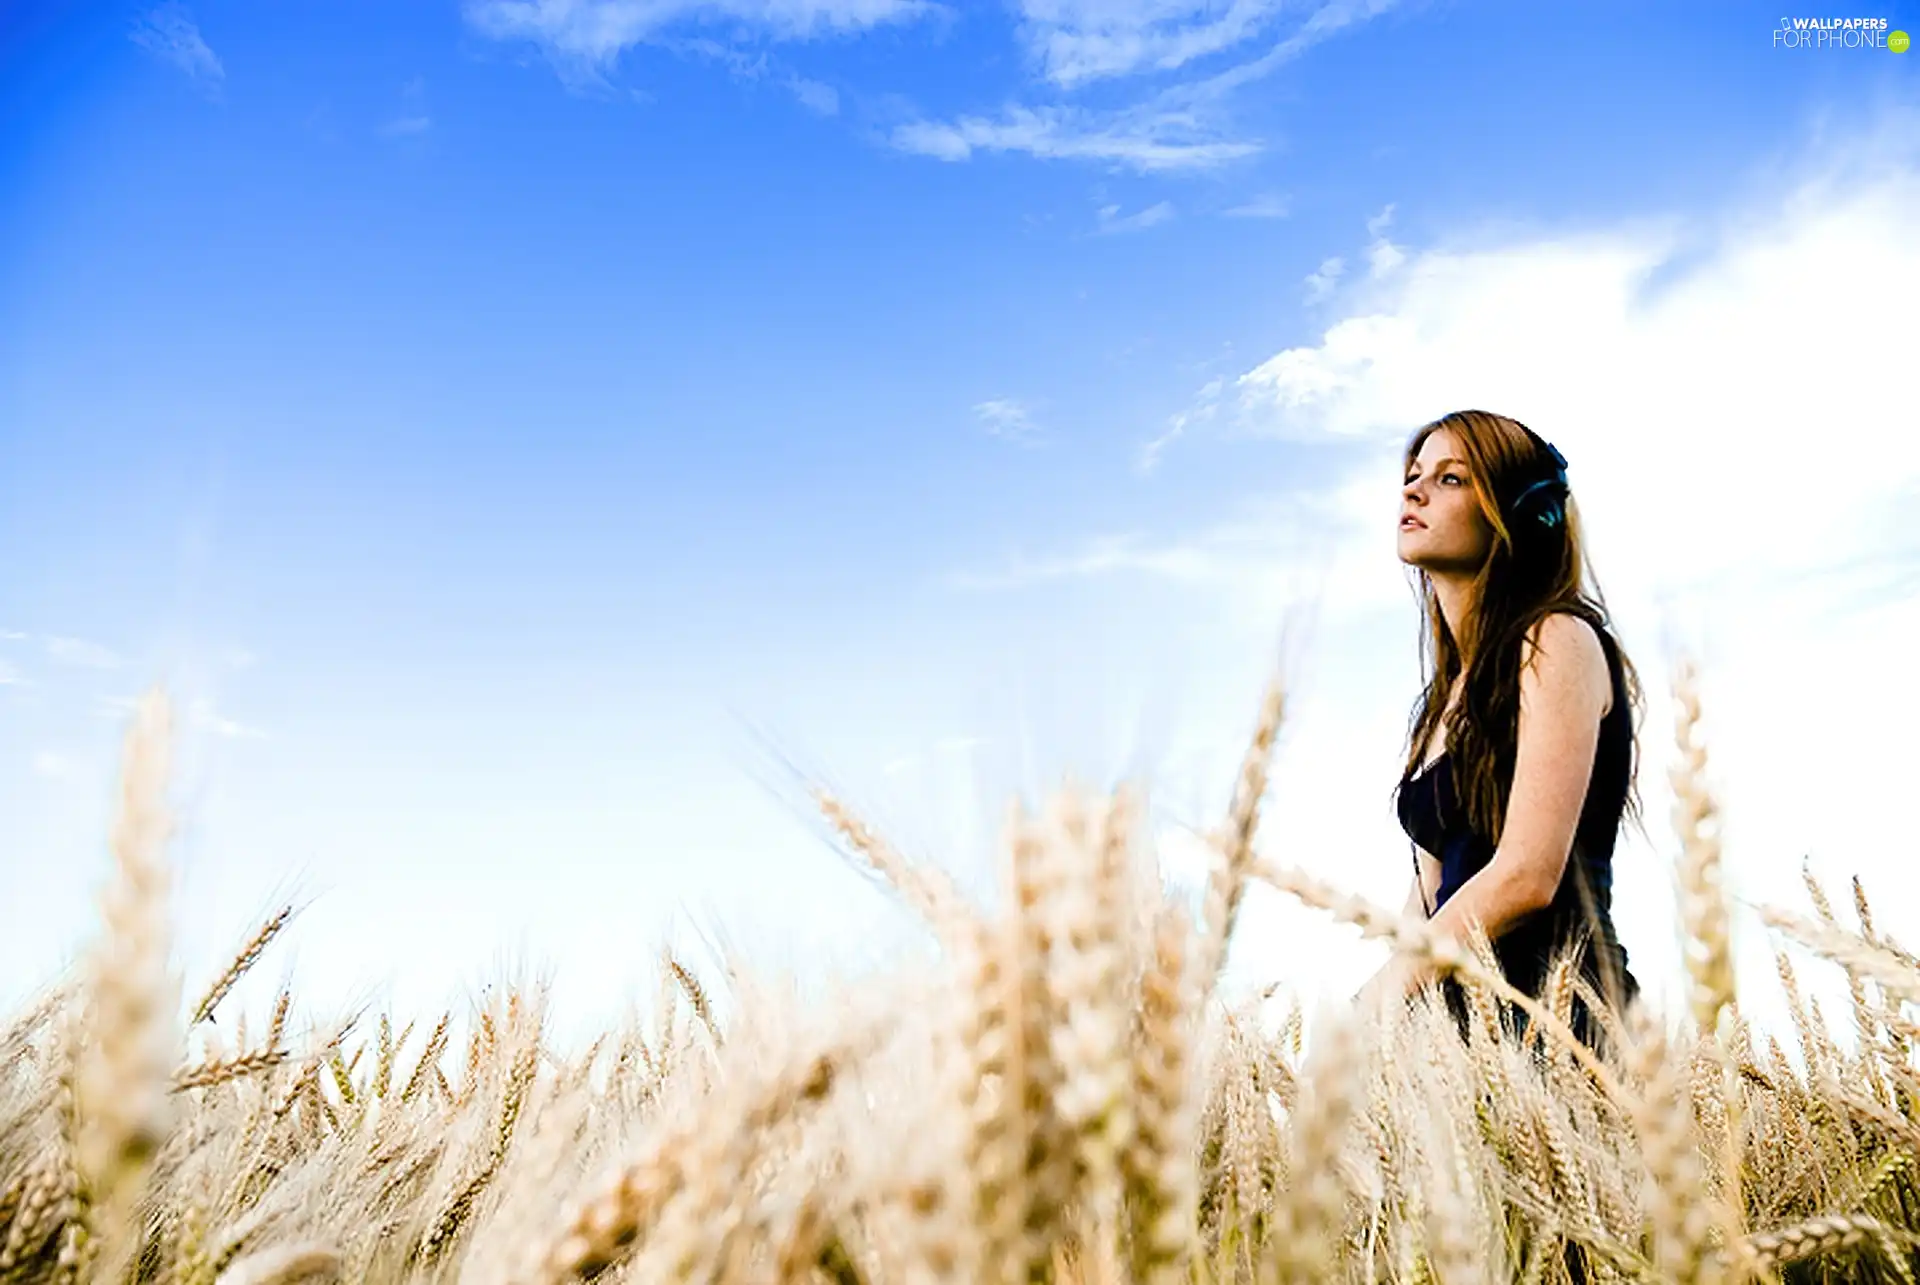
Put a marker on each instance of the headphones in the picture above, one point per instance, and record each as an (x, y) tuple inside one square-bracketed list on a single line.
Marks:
[(1543, 501)]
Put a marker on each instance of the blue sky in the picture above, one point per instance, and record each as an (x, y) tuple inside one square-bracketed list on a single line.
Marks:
[(491, 420)]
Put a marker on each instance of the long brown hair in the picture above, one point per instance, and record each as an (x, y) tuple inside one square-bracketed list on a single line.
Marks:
[(1529, 574)]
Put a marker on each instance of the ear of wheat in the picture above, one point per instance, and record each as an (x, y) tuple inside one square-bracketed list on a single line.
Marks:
[(1066, 1093)]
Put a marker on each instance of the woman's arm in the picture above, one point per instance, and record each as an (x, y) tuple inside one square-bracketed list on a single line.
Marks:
[(1393, 975), (1564, 684)]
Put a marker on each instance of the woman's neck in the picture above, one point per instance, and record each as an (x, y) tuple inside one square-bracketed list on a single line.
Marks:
[(1455, 596)]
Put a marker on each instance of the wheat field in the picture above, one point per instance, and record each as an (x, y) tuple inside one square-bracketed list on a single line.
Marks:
[(1065, 1096)]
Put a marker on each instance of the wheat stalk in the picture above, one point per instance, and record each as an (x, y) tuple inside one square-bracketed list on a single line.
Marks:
[(126, 1058), (1227, 881), (1308, 1218), (1707, 932), (244, 960)]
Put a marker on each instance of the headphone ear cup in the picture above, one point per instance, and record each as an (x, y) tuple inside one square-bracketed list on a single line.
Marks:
[(1543, 502)]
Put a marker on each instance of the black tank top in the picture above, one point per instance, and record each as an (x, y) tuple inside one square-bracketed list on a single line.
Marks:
[(1582, 905)]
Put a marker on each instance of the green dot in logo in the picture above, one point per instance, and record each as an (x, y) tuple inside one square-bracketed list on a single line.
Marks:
[(1897, 41)]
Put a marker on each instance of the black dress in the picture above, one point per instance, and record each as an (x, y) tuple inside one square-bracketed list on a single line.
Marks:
[(1581, 909)]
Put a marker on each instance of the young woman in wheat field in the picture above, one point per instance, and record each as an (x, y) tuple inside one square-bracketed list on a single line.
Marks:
[(1521, 757)]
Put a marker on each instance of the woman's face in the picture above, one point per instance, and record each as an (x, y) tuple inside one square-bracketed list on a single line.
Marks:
[(1453, 534)]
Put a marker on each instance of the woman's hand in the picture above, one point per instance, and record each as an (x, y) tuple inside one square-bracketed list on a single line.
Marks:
[(1398, 980)]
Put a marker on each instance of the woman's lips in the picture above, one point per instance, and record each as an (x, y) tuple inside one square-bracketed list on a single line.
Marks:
[(1410, 524)]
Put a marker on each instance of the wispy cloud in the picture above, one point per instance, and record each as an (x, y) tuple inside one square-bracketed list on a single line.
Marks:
[(1262, 207), (1146, 142), (170, 34), (758, 66), (1383, 256), (81, 653), (1008, 418), (1325, 22), (1112, 221), (1321, 281), (115, 706), (818, 98), (1183, 126), (1230, 553), (1203, 410), (1075, 41), (585, 38), (413, 119), (202, 714)]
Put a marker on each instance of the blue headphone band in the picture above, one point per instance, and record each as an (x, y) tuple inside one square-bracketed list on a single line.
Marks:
[(1548, 513)]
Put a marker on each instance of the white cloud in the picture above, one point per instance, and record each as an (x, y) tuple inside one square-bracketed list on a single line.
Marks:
[(586, 37), (1321, 281), (10, 675), (1008, 418), (201, 713), (112, 707), (757, 66), (820, 99), (11, 635), (81, 653), (1322, 24), (1206, 406), (1208, 558), (1725, 388), (1383, 256), (1149, 143), (1081, 40), (1183, 127), (170, 34), (413, 119), (1262, 207), (1112, 221)]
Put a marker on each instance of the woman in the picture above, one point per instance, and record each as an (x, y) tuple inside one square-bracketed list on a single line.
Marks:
[(1521, 759)]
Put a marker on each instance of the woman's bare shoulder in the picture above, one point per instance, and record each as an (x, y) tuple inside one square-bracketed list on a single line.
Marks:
[(1570, 644)]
